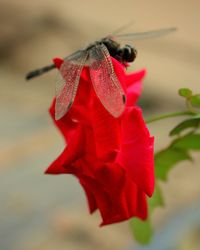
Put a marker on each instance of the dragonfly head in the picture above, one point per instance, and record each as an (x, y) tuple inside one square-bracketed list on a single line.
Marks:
[(127, 53), (124, 54)]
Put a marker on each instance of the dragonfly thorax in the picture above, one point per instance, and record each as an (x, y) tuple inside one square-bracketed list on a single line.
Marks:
[(123, 54)]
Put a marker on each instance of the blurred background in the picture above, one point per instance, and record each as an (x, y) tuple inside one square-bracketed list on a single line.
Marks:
[(39, 212)]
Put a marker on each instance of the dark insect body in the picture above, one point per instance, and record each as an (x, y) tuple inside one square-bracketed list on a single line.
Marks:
[(124, 55)]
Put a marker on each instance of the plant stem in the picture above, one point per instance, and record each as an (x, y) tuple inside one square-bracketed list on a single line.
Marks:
[(169, 115)]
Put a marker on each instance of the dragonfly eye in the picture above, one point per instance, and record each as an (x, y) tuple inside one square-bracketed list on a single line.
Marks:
[(128, 53)]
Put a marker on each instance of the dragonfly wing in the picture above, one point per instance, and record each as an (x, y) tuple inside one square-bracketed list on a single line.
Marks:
[(105, 81), (147, 34), (68, 80)]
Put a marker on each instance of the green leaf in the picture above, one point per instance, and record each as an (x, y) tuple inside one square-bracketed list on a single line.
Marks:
[(142, 230), (189, 141), (166, 159), (185, 92), (193, 122), (195, 100)]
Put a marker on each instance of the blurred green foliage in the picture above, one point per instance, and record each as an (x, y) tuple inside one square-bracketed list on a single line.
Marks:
[(185, 138)]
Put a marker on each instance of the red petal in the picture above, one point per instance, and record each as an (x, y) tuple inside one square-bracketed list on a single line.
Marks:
[(132, 78), (56, 167), (90, 196), (126, 202), (134, 87), (137, 150), (106, 131), (58, 62)]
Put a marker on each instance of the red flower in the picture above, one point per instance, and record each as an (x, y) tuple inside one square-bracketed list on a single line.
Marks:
[(111, 157)]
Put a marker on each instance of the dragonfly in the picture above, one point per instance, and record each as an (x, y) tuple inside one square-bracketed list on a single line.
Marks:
[(97, 56)]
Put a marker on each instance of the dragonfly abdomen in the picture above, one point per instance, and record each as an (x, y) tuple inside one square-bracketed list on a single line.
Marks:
[(38, 72)]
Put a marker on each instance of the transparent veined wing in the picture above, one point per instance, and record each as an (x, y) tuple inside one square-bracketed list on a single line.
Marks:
[(67, 82), (105, 81), (147, 34)]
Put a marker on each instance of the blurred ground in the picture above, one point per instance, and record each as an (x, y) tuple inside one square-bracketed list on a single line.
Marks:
[(44, 212)]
